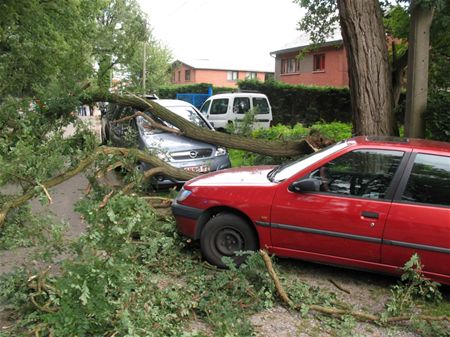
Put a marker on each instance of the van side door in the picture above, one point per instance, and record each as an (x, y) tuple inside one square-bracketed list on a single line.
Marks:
[(218, 113), (263, 112)]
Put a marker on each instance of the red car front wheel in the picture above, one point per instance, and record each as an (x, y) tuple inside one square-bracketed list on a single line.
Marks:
[(225, 235)]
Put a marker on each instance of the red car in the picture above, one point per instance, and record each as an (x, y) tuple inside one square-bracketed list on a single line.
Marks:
[(366, 203)]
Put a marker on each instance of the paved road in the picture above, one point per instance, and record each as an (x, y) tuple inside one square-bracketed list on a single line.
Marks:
[(64, 197)]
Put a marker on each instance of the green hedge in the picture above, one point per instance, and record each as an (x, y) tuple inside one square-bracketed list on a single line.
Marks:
[(293, 104), (437, 116)]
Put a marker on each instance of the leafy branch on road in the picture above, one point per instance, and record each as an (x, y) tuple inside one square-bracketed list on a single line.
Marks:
[(160, 166), (411, 272)]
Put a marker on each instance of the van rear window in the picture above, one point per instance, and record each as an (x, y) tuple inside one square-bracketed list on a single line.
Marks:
[(219, 106), (260, 105)]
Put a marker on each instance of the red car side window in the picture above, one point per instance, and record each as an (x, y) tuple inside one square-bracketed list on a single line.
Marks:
[(362, 173), (429, 181)]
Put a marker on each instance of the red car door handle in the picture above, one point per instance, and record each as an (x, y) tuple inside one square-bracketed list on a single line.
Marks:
[(372, 215)]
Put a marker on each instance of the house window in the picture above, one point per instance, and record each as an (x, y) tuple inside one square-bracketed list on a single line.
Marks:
[(251, 76), (232, 75), (187, 75), (290, 66), (179, 75), (319, 62), (269, 76)]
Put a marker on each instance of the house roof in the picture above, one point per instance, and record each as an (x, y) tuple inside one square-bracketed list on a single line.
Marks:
[(300, 47), (227, 65)]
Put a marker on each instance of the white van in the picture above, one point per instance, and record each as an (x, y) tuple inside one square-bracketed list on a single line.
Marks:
[(224, 109)]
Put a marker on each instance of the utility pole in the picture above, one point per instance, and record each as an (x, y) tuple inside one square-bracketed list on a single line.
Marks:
[(418, 55), (144, 71)]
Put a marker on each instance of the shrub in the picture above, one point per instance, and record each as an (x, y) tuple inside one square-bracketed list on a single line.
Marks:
[(437, 120), (335, 131)]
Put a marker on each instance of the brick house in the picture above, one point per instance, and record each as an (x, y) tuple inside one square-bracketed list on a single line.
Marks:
[(323, 66), (216, 73)]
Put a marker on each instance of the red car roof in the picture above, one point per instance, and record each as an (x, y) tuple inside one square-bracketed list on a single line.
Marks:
[(414, 143)]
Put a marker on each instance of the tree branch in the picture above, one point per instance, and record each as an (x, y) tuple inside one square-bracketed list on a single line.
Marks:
[(84, 164), (361, 316), (265, 147)]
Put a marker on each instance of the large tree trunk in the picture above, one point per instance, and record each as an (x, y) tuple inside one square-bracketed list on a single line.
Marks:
[(369, 69), (270, 148), (418, 55)]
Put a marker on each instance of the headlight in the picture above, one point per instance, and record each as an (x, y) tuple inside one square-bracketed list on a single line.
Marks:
[(221, 151), (183, 194)]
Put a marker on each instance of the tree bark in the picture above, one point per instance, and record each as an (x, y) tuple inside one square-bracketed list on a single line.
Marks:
[(417, 82), (265, 147), (369, 70)]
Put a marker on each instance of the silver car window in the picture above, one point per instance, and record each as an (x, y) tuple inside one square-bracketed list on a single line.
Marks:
[(190, 114)]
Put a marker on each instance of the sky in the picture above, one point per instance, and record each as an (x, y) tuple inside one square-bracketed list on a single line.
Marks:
[(236, 31)]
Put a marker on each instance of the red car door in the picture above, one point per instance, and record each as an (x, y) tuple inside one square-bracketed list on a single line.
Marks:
[(345, 217), (419, 220)]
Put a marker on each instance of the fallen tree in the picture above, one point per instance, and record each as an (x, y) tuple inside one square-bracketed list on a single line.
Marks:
[(186, 128), (278, 148)]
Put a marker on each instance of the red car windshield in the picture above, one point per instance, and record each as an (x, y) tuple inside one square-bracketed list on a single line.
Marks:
[(286, 171)]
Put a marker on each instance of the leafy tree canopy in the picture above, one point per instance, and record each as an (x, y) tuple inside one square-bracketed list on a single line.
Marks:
[(49, 49)]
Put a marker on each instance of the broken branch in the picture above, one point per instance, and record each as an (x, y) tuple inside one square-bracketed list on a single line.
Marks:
[(50, 200), (338, 286), (105, 200), (280, 290), (366, 317), (84, 164)]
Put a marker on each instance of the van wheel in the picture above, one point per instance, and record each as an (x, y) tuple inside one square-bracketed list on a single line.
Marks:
[(225, 235)]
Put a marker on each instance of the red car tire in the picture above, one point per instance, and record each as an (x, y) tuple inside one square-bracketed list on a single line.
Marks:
[(224, 235)]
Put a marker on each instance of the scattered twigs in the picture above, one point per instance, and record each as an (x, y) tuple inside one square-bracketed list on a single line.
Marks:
[(102, 172), (338, 286), (158, 202), (88, 189), (42, 290), (361, 316), (105, 200), (147, 175)]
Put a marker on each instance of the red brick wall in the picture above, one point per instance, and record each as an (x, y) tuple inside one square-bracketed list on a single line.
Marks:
[(335, 73), (215, 77)]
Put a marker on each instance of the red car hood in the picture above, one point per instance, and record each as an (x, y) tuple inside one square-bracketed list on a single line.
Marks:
[(243, 176)]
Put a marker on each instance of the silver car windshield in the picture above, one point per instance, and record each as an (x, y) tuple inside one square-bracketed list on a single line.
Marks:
[(186, 112), (190, 114), (286, 171)]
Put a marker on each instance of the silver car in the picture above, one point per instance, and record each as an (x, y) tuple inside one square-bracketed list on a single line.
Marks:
[(179, 151)]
